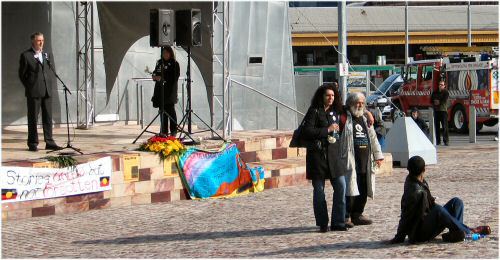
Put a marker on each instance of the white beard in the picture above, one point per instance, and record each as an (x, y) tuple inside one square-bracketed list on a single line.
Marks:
[(357, 112)]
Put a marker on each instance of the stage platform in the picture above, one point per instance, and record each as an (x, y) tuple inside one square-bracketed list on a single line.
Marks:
[(143, 178)]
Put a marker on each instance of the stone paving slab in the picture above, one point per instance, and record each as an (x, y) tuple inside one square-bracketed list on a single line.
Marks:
[(271, 224)]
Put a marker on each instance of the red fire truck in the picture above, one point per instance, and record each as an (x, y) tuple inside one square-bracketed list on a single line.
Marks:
[(469, 83)]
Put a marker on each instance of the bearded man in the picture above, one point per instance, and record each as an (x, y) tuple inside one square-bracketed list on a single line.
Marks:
[(361, 153)]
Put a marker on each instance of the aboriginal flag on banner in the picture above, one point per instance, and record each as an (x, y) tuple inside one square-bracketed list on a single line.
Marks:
[(104, 181), (9, 194)]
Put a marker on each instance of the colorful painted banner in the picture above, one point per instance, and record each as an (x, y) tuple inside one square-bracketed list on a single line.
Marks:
[(218, 174), (26, 183)]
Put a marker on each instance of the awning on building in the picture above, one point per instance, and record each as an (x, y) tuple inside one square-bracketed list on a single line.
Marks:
[(389, 38)]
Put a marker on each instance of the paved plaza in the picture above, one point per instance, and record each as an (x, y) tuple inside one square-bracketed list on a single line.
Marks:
[(271, 224)]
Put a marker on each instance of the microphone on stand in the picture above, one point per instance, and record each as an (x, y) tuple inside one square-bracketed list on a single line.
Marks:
[(50, 66)]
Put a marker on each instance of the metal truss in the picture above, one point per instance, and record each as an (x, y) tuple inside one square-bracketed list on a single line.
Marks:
[(85, 64), (221, 91)]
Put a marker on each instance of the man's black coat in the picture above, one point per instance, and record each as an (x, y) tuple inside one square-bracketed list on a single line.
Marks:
[(35, 76)]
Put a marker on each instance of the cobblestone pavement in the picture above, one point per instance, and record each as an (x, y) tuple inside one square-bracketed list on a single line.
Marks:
[(274, 223)]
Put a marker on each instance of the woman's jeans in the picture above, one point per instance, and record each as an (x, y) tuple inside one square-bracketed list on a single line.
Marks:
[(319, 202), (450, 216)]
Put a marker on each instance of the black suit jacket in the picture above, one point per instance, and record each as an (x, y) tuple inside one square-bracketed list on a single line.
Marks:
[(35, 75)]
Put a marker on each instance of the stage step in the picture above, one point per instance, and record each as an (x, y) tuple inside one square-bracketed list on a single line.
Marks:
[(283, 172), (158, 181), (292, 171)]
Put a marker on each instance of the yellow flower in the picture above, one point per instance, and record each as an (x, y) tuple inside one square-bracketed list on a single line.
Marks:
[(156, 147), (173, 145), (179, 144)]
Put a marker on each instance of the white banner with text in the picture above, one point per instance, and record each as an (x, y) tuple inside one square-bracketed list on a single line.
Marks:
[(27, 183)]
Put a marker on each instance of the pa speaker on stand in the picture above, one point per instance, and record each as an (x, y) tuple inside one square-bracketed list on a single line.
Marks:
[(161, 27), (188, 34)]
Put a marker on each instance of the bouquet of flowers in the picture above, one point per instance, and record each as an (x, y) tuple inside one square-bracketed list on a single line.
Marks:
[(163, 146)]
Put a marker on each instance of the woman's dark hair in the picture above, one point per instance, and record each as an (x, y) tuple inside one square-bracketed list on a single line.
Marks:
[(317, 99), (169, 50), (416, 165)]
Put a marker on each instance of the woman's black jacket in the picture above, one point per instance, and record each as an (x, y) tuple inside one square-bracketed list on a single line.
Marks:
[(322, 158), (171, 74)]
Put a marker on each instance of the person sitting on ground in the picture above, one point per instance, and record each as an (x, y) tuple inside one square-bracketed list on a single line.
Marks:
[(422, 219), (415, 114)]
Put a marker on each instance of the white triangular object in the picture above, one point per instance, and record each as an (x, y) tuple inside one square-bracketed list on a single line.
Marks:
[(405, 140)]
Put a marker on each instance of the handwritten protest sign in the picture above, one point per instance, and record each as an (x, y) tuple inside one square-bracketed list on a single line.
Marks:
[(25, 183)]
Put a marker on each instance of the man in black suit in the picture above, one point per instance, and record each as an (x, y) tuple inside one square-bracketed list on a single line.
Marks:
[(34, 74)]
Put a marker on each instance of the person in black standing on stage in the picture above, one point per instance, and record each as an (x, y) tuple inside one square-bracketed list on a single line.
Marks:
[(323, 162), (440, 102), (168, 82), (37, 81)]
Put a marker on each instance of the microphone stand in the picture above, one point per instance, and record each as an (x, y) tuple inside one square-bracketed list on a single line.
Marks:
[(162, 112), (186, 119), (66, 91)]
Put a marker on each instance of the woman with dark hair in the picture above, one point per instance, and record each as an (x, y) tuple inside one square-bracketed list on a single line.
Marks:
[(169, 67), (321, 128)]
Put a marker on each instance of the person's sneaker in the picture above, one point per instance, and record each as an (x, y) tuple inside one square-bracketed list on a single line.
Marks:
[(361, 220), (483, 230), (348, 223), (454, 236), (33, 148), (323, 229), (339, 228)]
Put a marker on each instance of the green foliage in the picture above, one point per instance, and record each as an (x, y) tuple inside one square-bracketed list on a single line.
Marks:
[(63, 161)]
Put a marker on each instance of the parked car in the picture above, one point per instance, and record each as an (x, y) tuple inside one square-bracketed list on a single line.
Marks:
[(387, 89)]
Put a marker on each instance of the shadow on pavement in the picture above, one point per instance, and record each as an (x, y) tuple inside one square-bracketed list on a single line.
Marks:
[(331, 247), (201, 236)]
